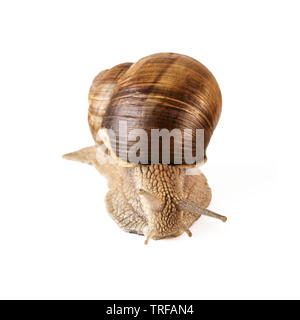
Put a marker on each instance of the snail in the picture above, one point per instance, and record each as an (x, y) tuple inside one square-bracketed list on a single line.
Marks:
[(151, 193)]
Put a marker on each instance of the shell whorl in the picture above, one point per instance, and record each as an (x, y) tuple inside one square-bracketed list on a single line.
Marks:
[(160, 91), (100, 95)]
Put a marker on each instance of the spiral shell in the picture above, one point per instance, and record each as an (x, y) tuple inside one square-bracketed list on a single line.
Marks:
[(160, 91)]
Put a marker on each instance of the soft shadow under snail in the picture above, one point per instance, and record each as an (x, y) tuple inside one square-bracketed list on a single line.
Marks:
[(161, 91)]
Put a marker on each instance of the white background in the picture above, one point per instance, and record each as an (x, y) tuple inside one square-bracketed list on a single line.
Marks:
[(56, 238)]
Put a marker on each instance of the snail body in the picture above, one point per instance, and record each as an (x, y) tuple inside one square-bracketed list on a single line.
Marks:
[(151, 194)]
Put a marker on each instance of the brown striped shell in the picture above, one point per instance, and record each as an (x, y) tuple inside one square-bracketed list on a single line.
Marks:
[(160, 91)]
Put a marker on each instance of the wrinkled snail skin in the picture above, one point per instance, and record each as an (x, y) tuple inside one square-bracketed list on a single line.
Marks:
[(160, 91)]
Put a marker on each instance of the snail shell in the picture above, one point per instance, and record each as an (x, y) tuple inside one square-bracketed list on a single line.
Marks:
[(160, 91)]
